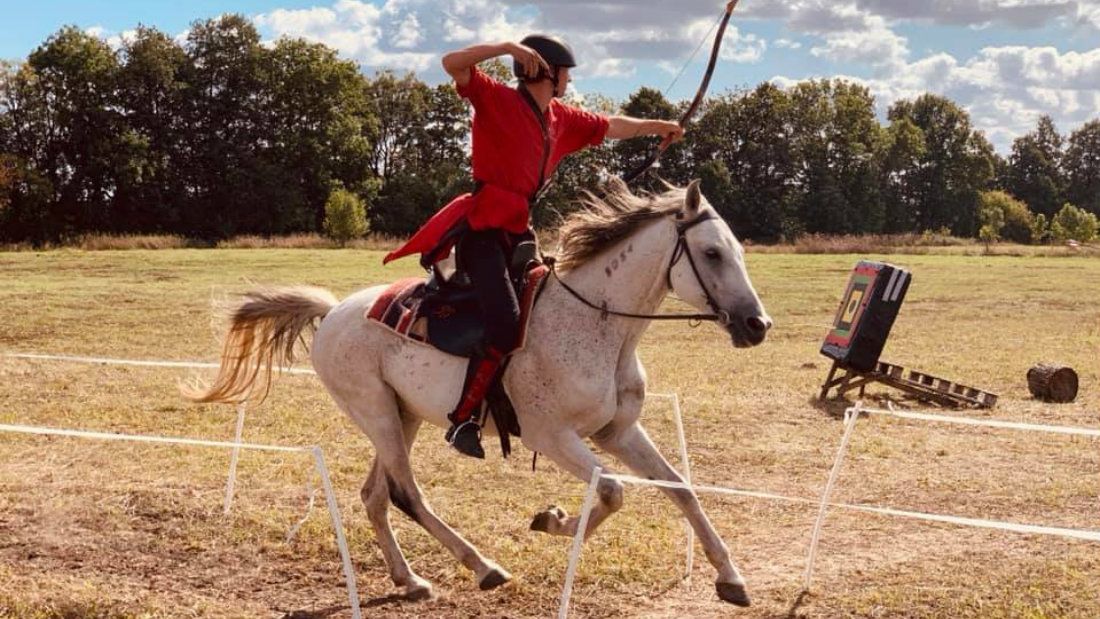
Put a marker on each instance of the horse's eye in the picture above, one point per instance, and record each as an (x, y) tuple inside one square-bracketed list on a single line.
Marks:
[(713, 254)]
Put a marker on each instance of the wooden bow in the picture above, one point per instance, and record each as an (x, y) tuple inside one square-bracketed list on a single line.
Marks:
[(699, 94)]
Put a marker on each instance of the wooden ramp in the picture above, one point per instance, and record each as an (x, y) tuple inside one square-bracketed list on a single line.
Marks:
[(917, 384)]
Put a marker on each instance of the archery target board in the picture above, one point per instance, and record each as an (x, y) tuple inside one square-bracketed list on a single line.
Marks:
[(866, 314)]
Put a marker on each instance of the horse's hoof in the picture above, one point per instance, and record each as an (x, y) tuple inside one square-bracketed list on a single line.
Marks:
[(733, 593), (542, 520), (494, 579), (418, 593)]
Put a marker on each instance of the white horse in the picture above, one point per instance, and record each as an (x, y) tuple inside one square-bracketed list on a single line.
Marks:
[(578, 376)]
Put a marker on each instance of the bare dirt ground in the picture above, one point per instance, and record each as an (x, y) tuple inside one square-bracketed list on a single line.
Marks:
[(94, 529)]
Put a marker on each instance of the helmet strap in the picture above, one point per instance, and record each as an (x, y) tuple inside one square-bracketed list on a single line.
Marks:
[(554, 78)]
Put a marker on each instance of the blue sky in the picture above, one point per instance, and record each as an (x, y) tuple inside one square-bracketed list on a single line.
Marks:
[(1007, 61)]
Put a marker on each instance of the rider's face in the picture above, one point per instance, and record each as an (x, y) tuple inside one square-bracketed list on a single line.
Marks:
[(563, 81)]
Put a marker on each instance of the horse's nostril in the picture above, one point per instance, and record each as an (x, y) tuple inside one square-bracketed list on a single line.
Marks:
[(757, 325)]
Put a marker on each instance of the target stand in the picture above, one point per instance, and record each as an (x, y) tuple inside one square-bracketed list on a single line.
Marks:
[(859, 333)]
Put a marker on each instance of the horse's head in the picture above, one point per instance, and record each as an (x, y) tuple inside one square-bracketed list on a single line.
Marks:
[(708, 271)]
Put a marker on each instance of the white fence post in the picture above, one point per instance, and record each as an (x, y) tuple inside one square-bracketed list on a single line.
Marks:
[(341, 542), (231, 482), (578, 542), (850, 417), (686, 463)]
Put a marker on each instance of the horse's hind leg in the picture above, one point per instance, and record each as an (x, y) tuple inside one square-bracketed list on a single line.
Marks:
[(405, 493), (376, 498), (393, 473)]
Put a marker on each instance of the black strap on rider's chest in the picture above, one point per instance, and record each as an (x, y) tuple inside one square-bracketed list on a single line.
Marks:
[(541, 117)]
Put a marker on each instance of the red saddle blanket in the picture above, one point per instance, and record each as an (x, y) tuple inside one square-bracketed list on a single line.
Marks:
[(447, 319)]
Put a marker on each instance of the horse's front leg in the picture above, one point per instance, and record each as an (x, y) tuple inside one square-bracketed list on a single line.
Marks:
[(570, 452), (631, 445)]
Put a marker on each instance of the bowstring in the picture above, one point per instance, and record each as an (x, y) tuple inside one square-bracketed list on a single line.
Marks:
[(691, 58)]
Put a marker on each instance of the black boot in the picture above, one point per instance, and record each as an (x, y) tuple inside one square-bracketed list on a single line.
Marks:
[(466, 438), (465, 433)]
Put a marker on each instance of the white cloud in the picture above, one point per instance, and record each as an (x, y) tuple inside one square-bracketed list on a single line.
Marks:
[(873, 44), (787, 44), (1005, 89), (833, 15), (408, 33), (456, 32), (609, 67), (114, 41), (742, 47), (356, 29), (1088, 13), (737, 46)]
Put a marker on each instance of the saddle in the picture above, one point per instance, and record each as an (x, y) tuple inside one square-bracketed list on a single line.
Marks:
[(442, 311)]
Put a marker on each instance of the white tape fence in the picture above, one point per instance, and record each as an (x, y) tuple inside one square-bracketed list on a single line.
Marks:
[(851, 417), (314, 451), (823, 502)]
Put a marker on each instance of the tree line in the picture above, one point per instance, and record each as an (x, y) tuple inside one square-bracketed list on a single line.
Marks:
[(220, 135)]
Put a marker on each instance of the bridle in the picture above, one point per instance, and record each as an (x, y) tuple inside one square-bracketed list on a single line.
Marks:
[(720, 316)]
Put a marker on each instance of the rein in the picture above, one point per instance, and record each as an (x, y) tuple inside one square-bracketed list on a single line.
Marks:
[(720, 316)]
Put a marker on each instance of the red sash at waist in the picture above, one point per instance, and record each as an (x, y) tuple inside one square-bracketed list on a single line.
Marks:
[(490, 207)]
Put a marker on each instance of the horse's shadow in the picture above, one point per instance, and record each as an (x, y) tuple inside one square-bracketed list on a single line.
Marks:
[(792, 612), (322, 613), (832, 407), (835, 407)]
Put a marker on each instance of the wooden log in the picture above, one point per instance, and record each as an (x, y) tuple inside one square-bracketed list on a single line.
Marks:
[(1052, 382)]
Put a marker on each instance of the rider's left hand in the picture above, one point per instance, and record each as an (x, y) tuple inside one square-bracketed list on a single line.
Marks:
[(670, 131)]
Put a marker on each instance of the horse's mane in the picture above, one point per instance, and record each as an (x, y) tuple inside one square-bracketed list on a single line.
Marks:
[(604, 220)]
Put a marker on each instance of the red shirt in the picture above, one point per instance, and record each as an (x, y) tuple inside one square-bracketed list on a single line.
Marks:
[(508, 148)]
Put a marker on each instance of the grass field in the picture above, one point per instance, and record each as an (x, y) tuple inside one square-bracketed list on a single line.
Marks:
[(90, 529)]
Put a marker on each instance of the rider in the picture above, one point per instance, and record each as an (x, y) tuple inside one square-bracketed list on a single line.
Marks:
[(519, 136)]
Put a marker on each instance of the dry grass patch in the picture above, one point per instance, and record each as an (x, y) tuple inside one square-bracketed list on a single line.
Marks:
[(135, 530)]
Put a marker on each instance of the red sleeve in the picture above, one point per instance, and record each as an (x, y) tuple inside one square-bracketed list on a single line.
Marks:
[(581, 128), (480, 89)]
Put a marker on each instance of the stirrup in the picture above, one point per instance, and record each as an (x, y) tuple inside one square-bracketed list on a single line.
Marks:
[(466, 439)]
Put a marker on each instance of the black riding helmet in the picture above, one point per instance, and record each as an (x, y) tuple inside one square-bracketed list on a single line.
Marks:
[(553, 50)]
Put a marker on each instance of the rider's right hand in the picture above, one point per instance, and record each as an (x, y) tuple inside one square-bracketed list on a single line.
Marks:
[(531, 61)]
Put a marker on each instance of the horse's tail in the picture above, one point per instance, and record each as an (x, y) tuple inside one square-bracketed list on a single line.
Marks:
[(264, 329)]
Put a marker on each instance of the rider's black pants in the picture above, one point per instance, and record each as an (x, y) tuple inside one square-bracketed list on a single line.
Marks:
[(485, 256)]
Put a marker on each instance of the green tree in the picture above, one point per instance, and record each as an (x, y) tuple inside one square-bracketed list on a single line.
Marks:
[(837, 140), (992, 221), (1040, 229), (417, 149), (1082, 167), (233, 189), (903, 151), (7, 182), (68, 89), (1034, 168), (630, 153), (345, 216), (749, 134), (1074, 223), (956, 164), (315, 122), (1014, 221), (152, 192)]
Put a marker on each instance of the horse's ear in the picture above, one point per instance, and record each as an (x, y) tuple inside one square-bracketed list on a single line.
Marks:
[(694, 198)]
